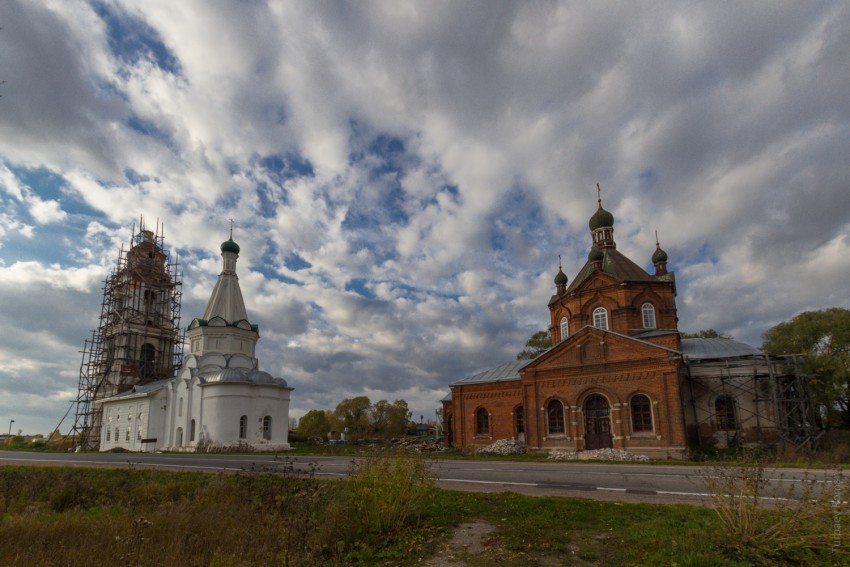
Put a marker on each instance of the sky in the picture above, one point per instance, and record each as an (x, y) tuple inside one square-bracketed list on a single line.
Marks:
[(403, 176)]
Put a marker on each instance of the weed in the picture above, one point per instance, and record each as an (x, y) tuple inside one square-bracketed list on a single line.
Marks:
[(765, 522)]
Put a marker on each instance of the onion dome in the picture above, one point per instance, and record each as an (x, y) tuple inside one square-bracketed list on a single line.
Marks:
[(595, 255), (230, 246), (659, 255), (601, 218), (561, 277)]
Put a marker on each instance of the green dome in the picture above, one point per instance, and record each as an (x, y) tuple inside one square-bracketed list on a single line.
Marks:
[(230, 246), (659, 255), (561, 277), (595, 255), (601, 218)]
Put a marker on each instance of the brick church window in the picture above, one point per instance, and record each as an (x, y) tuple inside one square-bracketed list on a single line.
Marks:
[(600, 318), (555, 416), (725, 413), (648, 311), (519, 417), (641, 413), (565, 328), (482, 421)]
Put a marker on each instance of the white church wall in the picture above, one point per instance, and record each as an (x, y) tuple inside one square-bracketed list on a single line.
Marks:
[(228, 402)]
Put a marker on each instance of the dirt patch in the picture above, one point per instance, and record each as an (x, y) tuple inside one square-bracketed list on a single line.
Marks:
[(467, 539)]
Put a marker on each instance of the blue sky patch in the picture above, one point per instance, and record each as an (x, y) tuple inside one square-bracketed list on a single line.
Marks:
[(131, 39)]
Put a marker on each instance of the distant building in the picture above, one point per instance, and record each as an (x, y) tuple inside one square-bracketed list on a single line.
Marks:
[(219, 397), (620, 376)]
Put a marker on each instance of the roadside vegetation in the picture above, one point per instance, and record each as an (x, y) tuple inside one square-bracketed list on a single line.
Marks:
[(387, 513)]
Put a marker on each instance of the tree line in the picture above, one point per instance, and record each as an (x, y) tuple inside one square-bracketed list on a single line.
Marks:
[(359, 417)]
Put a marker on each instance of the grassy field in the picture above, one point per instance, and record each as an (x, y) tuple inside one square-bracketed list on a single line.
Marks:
[(388, 513)]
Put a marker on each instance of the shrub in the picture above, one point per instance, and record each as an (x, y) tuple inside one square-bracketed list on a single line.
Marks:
[(386, 491), (763, 524)]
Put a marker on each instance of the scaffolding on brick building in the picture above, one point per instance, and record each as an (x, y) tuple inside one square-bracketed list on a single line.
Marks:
[(138, 339), (782, 413)]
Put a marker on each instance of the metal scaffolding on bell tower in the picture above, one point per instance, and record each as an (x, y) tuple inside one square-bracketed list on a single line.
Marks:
[(138, 339)]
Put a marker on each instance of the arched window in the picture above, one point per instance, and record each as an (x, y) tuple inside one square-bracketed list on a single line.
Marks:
[(267, 428), (180, 408), (192, 430), (519, 419), (641, 413), (565, 328), (600, 318), (243, 427), (555, 416), (725, 412), (179, 436), (648, 311), (147, 361), (108, 431), (482, 421)]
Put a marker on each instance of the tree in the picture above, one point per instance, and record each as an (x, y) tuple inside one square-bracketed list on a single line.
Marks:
[(824, 337), (316, 422), (706, 334), (539, 343), (390, 419), (353, 414)]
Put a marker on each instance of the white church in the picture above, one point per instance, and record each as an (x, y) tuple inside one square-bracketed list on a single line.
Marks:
[(218, 398)]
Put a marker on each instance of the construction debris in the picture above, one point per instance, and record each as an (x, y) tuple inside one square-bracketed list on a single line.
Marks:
[(503, 447), (597, 454)]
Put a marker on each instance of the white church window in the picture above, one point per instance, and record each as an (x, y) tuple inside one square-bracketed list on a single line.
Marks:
[(648, 311), (600, 318), (127, 434), (243, 427), (116, 435), (192, 430), (267, 427), (565, 328), (139, 433), (108, 431), (180, 408)]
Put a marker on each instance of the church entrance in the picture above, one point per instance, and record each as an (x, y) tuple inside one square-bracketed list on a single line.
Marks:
[(597, 424)]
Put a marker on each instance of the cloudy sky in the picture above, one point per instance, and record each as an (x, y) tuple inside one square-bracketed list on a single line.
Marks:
[(404, 175)]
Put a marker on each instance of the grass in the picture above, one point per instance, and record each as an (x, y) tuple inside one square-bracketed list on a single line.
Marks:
[(388, 514)]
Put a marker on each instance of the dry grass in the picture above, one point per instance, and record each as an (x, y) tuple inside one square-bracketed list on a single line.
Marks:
[(789, 522)]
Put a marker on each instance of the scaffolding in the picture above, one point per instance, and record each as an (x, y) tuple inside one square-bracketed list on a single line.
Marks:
[(769, 402), (138, 339)]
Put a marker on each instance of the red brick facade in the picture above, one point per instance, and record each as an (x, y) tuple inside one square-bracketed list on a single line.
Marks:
[(612, 380)]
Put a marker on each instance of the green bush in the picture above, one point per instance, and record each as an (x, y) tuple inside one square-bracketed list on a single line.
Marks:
[(386, 491)]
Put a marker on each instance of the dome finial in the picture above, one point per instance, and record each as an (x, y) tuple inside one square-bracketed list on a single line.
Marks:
[(599, 195), (561, 278), (659, 256)]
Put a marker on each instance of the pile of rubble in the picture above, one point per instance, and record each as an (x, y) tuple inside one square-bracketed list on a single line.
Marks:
[(503, 447), (597, 454), (420, 445)]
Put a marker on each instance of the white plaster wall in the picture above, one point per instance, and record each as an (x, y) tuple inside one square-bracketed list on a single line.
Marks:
[(140, 414), (224, 404)]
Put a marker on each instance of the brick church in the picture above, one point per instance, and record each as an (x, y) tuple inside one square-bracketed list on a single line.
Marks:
[(618, 375)]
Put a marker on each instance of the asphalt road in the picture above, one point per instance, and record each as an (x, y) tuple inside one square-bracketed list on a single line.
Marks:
[(619, 482)]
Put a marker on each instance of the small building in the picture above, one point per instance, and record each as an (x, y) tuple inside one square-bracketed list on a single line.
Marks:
[(619, 375), (218, 398)]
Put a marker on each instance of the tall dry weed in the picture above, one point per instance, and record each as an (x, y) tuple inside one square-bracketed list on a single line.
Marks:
[(769, 517)]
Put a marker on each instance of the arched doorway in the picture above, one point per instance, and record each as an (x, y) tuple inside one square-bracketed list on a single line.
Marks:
[(597, 423)]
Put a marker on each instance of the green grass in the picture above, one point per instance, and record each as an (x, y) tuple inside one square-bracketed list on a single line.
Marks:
[(64, 516)]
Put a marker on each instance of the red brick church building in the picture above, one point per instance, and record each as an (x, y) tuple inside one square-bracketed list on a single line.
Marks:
[(615, 375)]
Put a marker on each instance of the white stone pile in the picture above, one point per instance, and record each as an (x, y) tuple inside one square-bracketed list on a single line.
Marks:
[(503, 447), (597, 454)]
